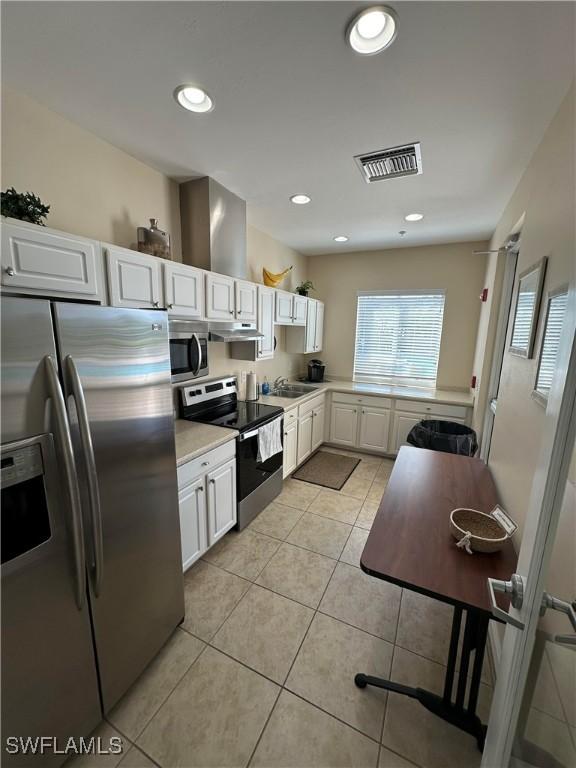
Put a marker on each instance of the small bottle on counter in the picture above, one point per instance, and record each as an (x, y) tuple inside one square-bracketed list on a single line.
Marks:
[(265, 387)]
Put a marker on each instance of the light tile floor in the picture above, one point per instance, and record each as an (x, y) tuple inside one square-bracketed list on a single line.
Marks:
[(279, 618)]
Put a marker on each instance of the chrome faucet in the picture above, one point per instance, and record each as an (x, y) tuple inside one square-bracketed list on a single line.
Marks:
[(279, 382)]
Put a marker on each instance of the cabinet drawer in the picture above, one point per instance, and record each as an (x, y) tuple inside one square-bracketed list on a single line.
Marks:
[(290, 416), (205, 463), (353, 399), (311, 405), (435, 409)]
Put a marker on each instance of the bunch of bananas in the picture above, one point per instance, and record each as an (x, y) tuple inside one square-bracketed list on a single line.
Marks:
[(272, 280)]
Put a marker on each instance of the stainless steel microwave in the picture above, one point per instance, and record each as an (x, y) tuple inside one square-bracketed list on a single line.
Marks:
[(188, 349)]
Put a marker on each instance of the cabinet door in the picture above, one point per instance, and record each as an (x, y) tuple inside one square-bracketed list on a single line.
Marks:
[(310, 341), (319, 329), (344, 424), (134, 279), (183, 290), (318, 427), (221, 500), (192, 504), (220, 304), (305, 436), (374, 429), (266, 322), (290, 447), (299, 310), (40, 261), (284, 306), (246, 301), (403, 423)]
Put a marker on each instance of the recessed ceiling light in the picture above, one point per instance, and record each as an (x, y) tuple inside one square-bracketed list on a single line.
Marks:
[(414, 217), (341, 239), (300, 199), (372, 30), (193, 98)]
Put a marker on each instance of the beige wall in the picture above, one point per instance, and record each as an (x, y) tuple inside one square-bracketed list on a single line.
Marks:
[(546, 196), (93, 188), (339, 276)]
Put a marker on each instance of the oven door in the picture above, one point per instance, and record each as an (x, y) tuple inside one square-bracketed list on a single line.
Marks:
[(249, 472), (188, 356)]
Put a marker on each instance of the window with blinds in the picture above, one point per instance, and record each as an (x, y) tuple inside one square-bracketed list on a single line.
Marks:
[(550, 343), (398, 334)]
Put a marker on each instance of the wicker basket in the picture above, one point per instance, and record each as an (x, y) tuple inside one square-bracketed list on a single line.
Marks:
[(486, 534)]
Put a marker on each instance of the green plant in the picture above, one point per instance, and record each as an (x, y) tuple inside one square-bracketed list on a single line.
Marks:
[(26, 207), (304, 287)]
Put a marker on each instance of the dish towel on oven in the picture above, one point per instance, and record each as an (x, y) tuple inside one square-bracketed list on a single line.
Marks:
[(269, 440)]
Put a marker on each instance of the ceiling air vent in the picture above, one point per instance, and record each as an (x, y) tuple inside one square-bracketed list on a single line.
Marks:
[(391, 163)]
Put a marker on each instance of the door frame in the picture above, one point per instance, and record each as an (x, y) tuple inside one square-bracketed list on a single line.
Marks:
[(538, 540)]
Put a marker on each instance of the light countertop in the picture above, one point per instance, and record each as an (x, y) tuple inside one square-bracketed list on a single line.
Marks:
[(194, 439), (445, 396)]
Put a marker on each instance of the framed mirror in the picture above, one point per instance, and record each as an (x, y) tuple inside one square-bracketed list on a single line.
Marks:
[(526, 310), (555, 312)]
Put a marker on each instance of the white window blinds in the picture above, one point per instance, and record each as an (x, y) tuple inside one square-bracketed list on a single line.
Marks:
[(398, 334), (551, 342)]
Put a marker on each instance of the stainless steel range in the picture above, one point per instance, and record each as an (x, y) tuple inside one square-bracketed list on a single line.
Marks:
[(216, 402)]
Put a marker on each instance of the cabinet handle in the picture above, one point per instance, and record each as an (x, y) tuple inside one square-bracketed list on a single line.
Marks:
[(156, 303), (231, 311), (205, 464), (285, 434), (10, 271), (239, 312), (200, 489), (212, 481), (170, 306)]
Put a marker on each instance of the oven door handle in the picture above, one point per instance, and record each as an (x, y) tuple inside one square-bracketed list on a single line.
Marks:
[(199, 348), (254, 432)]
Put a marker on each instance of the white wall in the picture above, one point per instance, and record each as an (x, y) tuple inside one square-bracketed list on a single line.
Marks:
[(546, 196), (454, 267)]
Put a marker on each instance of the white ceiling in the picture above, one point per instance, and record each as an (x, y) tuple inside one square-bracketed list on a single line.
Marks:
[(476, 83)]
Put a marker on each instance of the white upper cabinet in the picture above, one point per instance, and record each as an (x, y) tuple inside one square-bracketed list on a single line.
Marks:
[(284, 308), (40, 261), (265, 346), (134, 278), (299, 310), (220, 297), (246, 301), (310, 340), (183, 290), (319, 327)]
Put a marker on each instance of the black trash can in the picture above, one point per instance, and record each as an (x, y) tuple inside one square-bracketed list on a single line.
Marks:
[(446, 436)]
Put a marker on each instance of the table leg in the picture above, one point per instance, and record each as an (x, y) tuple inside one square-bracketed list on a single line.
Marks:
[(456, 712)]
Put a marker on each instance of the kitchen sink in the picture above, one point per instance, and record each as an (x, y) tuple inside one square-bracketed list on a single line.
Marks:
[(287, 393), (293, 390)]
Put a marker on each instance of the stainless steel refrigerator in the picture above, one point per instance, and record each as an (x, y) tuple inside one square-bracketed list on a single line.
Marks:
[(91, 565)]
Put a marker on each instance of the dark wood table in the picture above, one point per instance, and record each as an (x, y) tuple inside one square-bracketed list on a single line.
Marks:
[(410, 544)]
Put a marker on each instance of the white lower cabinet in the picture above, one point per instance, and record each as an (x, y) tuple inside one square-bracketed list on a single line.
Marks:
[(192, 504), (318, 419), (305, 425), (374, 429), (207, 500), (344, 424), (290, 442), (221, 501), (403, 423)]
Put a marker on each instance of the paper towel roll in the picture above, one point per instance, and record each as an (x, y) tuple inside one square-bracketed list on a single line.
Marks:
[(251, 386)]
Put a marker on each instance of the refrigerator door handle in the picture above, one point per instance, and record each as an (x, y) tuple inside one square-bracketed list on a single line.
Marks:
[(65, 441), (92, 476)]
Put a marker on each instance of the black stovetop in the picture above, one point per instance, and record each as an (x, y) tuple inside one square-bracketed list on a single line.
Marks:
[(239, 415)]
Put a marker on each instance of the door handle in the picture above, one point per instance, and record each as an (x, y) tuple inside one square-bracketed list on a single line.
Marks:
[(65, 439), (91, 474), (563, 606), (514, 588)]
